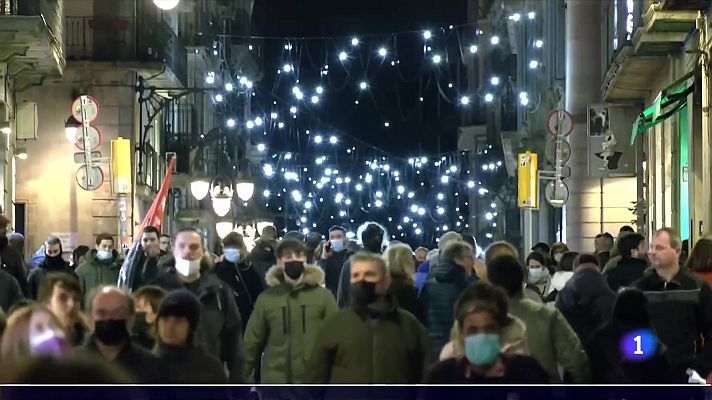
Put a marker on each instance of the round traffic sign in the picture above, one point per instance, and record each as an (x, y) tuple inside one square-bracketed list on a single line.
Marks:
[(96, 175), (93, 137), (91, 105), (557, 193), (560, 123), (551, 147)]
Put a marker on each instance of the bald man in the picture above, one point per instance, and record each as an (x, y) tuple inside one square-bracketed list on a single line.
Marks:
[(111, 317)]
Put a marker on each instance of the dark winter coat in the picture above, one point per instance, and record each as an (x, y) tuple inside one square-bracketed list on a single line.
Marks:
[(364, 346), (35, 278), (220, 328), (406, 295), (681, 315), (246, 285), (191, 365), (625, 273), (332, 267), (343, 292), (11, 261), (142, 366), (586, 301), (94, 272), (284, 324), (518, 370), (146, 270), (10, 292), (262, 256), (608, 366), (444, 285)]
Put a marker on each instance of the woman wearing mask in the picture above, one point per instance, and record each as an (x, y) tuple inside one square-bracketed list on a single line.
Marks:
[(176, 323), (401, 265), (33, 331), (483, 361), (557, 251), (236, 270), (538, 278)]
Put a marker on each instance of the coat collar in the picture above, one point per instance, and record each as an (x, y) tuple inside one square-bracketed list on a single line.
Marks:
[(313, 276)]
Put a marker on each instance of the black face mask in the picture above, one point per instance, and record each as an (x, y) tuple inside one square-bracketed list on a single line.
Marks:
[(56, 261), (294, 269), (111, 331), (363, 293)]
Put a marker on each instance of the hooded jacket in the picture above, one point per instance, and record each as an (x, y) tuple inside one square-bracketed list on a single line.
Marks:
[(95, 272), (220, 329), (245, 283), (586, 301), (284, 325), (550, 339), (34, 279), (360, 346), (681, 315), (444, 285)]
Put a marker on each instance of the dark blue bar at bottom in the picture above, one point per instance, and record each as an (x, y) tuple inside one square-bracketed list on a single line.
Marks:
[(354, 393)]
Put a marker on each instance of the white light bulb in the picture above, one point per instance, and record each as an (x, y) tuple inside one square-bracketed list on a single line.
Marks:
[(261, 147), (539, 44), (307, 204), (363, 85), (268, 170), (444, 179), (441, 196), (248, 85), (258, 121), (299, 95), (359, 187), (473, 48), (515, 17), (317, 140), (489, 216), (464, 100), (354, 42), (533, 64), (413, 209), (401, 190), (287, 68), (273, 115), (333, 140), (386, 124), (494, 40), (382, 52), (343, 56), (297, 196), (293, 109), (494, 80), (250, 124), (418, 231), (280, 125), (218, 97), (314, 99), (421, 211), (379, 203), (229, 87), (489, 97), (437, 59), (470, 184), (266, 193), (411, 195), (288, 156), (319, 90), (210, 78), (531, 15), (427, 35), (230, 123), (441, 211), (379, 194), (524, 101)]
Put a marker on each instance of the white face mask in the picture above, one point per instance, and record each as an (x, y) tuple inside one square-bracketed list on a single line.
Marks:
[(187, 268), (337, 245), (232, 255), (103, 255), (535, 274)]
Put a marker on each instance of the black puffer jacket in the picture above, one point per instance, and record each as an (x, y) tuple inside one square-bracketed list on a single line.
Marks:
[(332, 267), (245, 283), (586, 301), (220, 327), (444, 285), (47, 266), (626, 272), (11, 262), (10, 292), (190, 365), (406, 296), (681, 315)]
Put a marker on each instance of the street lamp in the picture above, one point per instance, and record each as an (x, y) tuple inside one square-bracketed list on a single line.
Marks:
[(223, 228), (166, 5), (244, 189), (71, 129), (199, 188), (221, 195)]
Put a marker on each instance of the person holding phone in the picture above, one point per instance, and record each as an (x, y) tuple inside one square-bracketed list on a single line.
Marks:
[(333, 257)]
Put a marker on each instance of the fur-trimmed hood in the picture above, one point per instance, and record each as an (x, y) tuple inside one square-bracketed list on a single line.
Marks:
[(313, 276)]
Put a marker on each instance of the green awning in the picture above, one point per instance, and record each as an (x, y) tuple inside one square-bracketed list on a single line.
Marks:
[(666, 104)]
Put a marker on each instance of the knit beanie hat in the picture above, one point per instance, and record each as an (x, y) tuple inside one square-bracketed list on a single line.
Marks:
[(181, 303)]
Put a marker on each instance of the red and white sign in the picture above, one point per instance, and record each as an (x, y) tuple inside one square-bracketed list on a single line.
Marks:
[(91, 105), (93, 136), (560, 123)]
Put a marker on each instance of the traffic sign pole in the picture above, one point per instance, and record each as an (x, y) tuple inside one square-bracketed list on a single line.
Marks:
[(85, 137)]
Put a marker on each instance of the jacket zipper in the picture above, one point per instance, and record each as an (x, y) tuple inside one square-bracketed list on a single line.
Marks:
[(284, 319), (238, 276), (289, 344), (304, 318)]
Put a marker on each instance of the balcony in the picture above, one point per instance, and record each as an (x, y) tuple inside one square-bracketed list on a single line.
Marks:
[(152, 49), (662, 33), (695, 5), (31, 37)]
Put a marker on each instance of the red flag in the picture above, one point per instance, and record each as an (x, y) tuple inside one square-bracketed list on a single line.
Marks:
[(154, 217)]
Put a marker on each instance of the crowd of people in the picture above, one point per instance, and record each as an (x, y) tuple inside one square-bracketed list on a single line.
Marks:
[(300, 310)]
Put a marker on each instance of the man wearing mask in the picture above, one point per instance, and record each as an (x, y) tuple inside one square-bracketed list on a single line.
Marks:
[(10, 260), (262, 254), (147, 299), (101, 267), (219, 330), (333, 258), (287, 317), (146, 266), (374, 341), (53, 262), (111, 317), (236, 270), (446, 280), (372, 235), (61, 294)]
